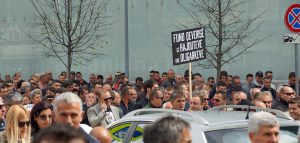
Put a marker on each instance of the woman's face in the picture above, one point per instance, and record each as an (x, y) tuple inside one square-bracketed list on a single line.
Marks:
[(24, 124), (44, 119), (37, 99)]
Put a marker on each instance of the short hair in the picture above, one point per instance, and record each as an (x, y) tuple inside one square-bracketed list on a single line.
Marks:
[(35, 92), (210, 78), (154, 93), (176, 94), (221, 83), (249, 75), (13, 98), (169, 129), (149, 84), (139, 79), (223, 73), (164, 73), (58, 133), (197, 74), (125, 91), (268, 72), (67, 83), (259, 119), (264, 94), (295, 100), (66, 97), (223, 93)]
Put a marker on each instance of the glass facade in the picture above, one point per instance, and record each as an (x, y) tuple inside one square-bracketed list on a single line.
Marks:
[(150, 25)]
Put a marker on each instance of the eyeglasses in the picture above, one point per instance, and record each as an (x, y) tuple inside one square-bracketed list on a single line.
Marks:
[(289, 94), (2, 106), (216, 100), (132, 94), (205, 99), (22, 124), (107, 99), (267, 102), (44, 117), (161, 98)]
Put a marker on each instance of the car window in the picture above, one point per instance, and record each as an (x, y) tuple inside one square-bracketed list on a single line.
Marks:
[(137, 136), (240, 135), (119, 132)]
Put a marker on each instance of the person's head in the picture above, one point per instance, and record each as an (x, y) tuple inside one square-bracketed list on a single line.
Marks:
[(79, 76), (68, 85), (91, 98), (171, 74), (198, 78), (292, 78), (149, 85), (106, 97), (269, 74), (265, 97), (68, 109), (125, 94), (36, 96), (156, 98), (117, 99), (93, 78), (267, 82), (167, 93), (196, 101), (2, 109), (286, 93), (249, 78), (294, 108), (229, 80), (59, 133), (56, 84), (259, 77), (260, 104), (4, 90), (138, 81), (62, 78), (106, 86), (133, 94), (41, 116), (13, 98), (211, 81), (237, 97), (82, 92), (236, 81), (179, 79), (17, 124), (263, 128), (178, 100), (254, 91), (220, 98), (221, 86), (168, 130), (97, 87), (204, 97), (101, 134), (183, 88), (164, 76)]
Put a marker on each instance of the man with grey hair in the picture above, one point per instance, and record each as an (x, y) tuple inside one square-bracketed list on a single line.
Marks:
[(263, 128), (68, 110), (169, 129)]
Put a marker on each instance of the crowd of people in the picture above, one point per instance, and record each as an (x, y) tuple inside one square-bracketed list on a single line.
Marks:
[(28, 107)]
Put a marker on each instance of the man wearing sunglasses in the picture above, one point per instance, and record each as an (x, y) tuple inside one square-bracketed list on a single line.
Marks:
[(285, 95), (103, 113)]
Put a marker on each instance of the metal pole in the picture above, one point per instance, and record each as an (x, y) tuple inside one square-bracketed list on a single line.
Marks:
[(190, 79), (126, 39), (296, 68)]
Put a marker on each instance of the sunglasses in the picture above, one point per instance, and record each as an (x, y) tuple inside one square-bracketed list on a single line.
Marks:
[(216, 100), (267, 102), (205, 99), (1, 106), (106, 99), (289, 94), (161, 98), (44, 117), (22, 124)]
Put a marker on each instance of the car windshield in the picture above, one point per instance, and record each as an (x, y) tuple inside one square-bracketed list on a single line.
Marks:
[(240, 135)]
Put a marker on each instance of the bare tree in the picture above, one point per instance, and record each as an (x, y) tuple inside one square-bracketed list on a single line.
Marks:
[(228, 30), (72, 30)]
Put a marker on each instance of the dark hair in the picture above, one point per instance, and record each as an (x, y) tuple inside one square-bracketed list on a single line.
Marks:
[(99, 76), (139, 79), (268, 72), (67, 83), (249, 75), (164, 73), (58, 133), (35, 112), (148, 84)]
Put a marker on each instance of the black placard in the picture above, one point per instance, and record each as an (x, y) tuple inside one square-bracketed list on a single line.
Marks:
[(188, 45)]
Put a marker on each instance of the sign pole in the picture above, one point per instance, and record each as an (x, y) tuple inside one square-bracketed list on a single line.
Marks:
[(190, 79), (296, 68)]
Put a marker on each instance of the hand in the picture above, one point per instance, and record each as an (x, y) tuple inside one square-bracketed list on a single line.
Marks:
[(103, 107)]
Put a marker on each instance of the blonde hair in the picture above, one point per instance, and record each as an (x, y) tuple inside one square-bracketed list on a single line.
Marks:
[(12, 131)]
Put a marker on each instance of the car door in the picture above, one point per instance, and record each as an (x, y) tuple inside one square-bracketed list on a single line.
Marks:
[(121, 131)]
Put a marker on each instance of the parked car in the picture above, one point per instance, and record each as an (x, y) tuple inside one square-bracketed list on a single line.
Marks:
[(212, 126)]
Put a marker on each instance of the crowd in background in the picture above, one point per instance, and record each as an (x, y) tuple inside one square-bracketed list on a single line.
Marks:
[(29, 106)]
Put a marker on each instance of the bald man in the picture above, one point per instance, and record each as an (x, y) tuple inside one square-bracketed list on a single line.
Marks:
[(101, 134)]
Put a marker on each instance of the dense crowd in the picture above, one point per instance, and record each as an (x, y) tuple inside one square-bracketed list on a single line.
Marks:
[(29, 106)]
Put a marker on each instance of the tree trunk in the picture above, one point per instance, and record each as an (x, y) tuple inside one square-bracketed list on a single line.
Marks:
[(219, 54)]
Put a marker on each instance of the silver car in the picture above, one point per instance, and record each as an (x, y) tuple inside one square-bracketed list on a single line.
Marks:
[(212, 126)]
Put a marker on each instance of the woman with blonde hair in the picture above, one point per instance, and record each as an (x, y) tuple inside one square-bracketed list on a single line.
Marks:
[(17, 126)]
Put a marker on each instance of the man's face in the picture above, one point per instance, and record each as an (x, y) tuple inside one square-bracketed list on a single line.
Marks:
[(93, 78), (2, 108), (267, 83), (237, 82), (98, 87), (179, 79), (211, 82), (267, 100), (171, 74), (294, 111), (78, 76), (249, 80), (259, 79), (223, 79), (56, 85), (292, 80), (266, 134), (270, 75), (69, 113), (164, 77), (229, 80), (238, 97), (167, 94), (195, 103), (3, 92), (133, 95), (157, 100), (106, 98), (218, 100), (221, 88), (178, 103), (287, 94), (62, 78)]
